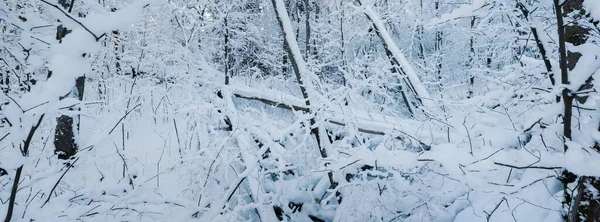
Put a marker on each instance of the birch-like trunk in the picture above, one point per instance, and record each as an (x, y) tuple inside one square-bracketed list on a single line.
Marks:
[(301, 72), (411, 79)]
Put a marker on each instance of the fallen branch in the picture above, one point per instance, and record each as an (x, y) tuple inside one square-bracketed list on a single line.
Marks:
[(123, 117), (273, 103), (293, 107), (489, 215), (528, 167), (58, 181), (75, 20)]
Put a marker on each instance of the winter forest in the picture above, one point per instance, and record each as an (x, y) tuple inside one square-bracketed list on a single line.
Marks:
[(300, 110)]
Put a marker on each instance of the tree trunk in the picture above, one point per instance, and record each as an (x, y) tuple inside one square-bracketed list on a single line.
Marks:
[(540, 44), (226, 49), (409, 75), (438, 51), (581, 204), (307, 9), (342, 47), (67, 127), (300, 70), (471, 61)]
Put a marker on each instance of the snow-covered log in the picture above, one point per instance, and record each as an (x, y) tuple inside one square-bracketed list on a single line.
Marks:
[(368, 123)]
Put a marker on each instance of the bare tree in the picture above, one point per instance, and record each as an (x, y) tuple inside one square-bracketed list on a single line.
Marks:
[(300, 71), (581, 203), (399, 64)]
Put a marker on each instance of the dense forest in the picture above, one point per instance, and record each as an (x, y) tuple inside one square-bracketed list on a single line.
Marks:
[(300, 110)]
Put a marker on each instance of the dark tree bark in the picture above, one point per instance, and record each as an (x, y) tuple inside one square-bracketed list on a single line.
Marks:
[(438, 49), (64, 138), (471, 60), (227, 56), (15, 187), (228, 61), (566, 177), (577, 34), (11, 203), (581, 204), (307, 47), (539, 43), (67, 127)]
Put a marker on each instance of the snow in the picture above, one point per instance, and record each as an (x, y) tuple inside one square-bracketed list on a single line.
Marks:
[(305, 78), (586, 66), (580, 161), (172, 157), (104, 21), (593, 8), (463, 11), (268, 94), (399, 56)]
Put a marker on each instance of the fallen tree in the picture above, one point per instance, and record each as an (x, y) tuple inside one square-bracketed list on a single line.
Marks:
[(399, 62), (363, 125)]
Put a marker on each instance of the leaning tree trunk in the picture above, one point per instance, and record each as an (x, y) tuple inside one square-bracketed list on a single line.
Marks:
[(581, 203), (538, 41), (300, 70), (399, 62)]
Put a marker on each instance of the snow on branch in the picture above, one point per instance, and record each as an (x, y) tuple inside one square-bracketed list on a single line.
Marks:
[(75, 20), (109, 21), (593, 8), (377, 125), (412, 79), (291, 46), (465, 11)]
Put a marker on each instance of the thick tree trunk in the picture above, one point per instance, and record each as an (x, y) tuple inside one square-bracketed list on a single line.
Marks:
[(67, 127)]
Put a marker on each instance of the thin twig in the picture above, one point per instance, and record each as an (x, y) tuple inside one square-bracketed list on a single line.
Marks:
[(36, 106), (58, 181), (177, 134), (211, 167), (489, 215), (123, 117), (75, 20), (4, 137), (528, 167), (474, 162), (15, 102), (468, 136)]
